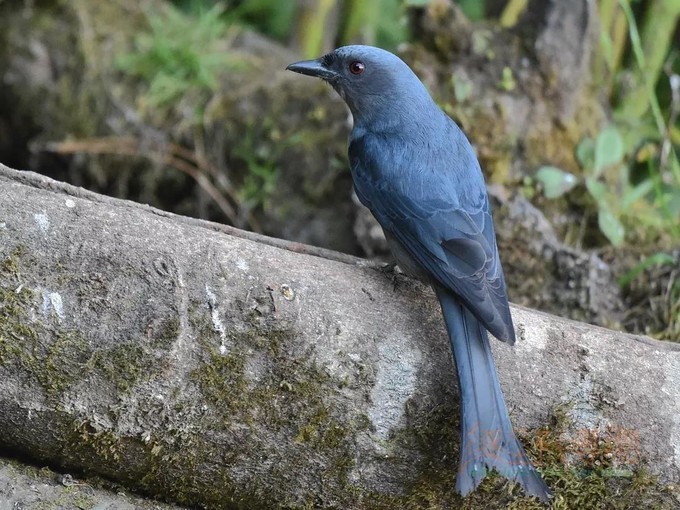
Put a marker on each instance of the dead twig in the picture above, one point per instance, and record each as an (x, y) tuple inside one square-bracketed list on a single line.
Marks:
[(172, 155)]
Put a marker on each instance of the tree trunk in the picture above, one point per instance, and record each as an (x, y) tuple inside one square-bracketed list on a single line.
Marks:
[(216, 368)]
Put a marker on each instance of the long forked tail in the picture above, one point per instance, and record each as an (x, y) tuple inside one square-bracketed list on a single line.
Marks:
[(488, 440)]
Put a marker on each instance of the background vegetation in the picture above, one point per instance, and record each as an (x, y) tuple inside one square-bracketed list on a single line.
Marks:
[(630, 171), (629, 177)]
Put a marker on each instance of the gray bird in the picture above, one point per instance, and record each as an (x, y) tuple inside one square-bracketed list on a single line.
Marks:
[(416, 171)]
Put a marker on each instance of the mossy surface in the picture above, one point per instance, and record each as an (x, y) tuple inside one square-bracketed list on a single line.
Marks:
[(584, 472), (260, 385), (16, 334), (57, 358), (592, 471), (267, 388)]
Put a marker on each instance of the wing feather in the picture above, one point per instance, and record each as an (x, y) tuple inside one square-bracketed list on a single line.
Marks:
[(444, 225)]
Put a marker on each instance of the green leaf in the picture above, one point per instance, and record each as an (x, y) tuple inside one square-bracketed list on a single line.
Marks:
[(462, 88), (610, 226), (596, 189), (507, 82), (473, 9), (585, 153), (555, 182), (636, 193), (607, 46), (609, 149)]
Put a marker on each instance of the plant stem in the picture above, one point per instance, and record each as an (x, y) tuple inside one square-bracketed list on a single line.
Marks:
[(650, 47), (614, 32), (513, 10), (361, 19), (314, 25)]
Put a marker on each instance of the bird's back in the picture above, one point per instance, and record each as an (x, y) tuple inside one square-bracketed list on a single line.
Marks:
[(424, 185)]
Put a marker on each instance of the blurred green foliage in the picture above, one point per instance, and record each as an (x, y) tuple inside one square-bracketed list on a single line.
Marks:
[(307, 24), (473, 9), (605, 179), (630, 171), (179, 55), (260, 153)]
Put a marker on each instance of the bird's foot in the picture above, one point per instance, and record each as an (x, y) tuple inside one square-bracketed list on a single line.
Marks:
[(389, 268), (398, 276)]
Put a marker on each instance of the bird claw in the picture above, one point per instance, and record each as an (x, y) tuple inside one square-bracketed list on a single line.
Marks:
[(388, 268), (396, 273)]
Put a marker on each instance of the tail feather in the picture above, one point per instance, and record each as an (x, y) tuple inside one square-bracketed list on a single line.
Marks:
[(488, 441)]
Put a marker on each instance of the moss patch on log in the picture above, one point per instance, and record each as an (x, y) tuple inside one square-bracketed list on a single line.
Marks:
[(58, 358), (587, 474), (15, 303), (265, 384)]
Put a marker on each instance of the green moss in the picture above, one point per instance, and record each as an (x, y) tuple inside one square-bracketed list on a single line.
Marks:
[(63, 357), (124, 365), (63, 363), (590, 480), (17, 336), (434, 434), (297, 382), (287, 395), (105, 443), (9, 265), (167, 333)]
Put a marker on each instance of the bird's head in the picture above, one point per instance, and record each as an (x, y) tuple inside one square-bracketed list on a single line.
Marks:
[(375, 84)]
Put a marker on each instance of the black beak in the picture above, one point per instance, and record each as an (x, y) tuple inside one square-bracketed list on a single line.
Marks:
[(312, 68)]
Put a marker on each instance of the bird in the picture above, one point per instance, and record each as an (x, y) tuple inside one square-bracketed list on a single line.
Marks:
[(416, 171)]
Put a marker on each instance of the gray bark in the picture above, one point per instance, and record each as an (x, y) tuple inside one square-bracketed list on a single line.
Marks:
[(213, 367)]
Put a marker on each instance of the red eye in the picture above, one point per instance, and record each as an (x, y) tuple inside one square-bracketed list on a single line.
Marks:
[(357, 67)]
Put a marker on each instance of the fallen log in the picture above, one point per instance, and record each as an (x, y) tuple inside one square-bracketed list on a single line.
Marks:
[(217, 368)]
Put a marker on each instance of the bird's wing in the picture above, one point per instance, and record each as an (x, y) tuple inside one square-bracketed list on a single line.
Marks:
[(447, 230)]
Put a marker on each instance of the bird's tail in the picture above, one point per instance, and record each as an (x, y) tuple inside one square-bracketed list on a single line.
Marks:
[(487, 438)]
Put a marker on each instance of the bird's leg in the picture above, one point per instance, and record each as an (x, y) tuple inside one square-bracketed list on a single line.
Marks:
[(388, 268), (393, 270)]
